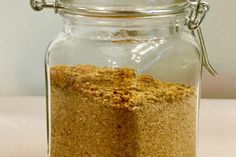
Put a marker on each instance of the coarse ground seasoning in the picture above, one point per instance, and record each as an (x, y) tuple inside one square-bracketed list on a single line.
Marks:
[(106, 112)]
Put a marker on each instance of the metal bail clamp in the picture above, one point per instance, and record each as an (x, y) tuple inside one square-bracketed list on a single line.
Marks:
[(197, 15)]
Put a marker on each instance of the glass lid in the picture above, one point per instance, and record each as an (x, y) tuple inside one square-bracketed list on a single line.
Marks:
[(134, 4), (114, 7)]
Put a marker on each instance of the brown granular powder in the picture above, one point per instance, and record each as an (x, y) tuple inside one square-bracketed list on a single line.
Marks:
[(106, 112)]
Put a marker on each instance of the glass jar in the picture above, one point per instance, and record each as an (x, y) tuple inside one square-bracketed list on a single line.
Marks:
[(123, 78)]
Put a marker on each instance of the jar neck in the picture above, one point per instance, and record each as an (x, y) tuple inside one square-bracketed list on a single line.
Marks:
[(91, 27)]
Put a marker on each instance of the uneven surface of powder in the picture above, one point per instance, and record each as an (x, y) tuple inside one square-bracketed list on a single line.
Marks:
[(105, 112)]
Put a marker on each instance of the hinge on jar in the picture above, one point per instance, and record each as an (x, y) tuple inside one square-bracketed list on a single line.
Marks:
[(197, 15), (39, 5)]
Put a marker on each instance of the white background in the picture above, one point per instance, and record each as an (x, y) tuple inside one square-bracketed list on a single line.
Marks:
[(25, 34)]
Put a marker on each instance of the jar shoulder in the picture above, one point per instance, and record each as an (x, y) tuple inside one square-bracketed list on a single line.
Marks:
[(67, 41)]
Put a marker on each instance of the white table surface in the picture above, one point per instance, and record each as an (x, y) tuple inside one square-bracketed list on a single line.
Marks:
[(23, 127)]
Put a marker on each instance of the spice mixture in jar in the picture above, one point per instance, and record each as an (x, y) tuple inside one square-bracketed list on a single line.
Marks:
[(113, 112)]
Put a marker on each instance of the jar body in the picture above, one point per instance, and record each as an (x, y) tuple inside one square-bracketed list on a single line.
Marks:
[(123, 87)]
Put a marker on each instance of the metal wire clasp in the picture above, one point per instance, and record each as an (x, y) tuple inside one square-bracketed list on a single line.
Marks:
[(197, 15)]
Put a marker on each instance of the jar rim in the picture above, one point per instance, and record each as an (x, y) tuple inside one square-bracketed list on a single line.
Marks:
[(123, 12)]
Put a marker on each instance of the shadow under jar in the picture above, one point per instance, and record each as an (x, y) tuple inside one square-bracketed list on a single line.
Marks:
[(123, 79)]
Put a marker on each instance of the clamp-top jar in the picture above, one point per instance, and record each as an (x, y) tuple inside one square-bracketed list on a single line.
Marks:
[(123, 78)]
